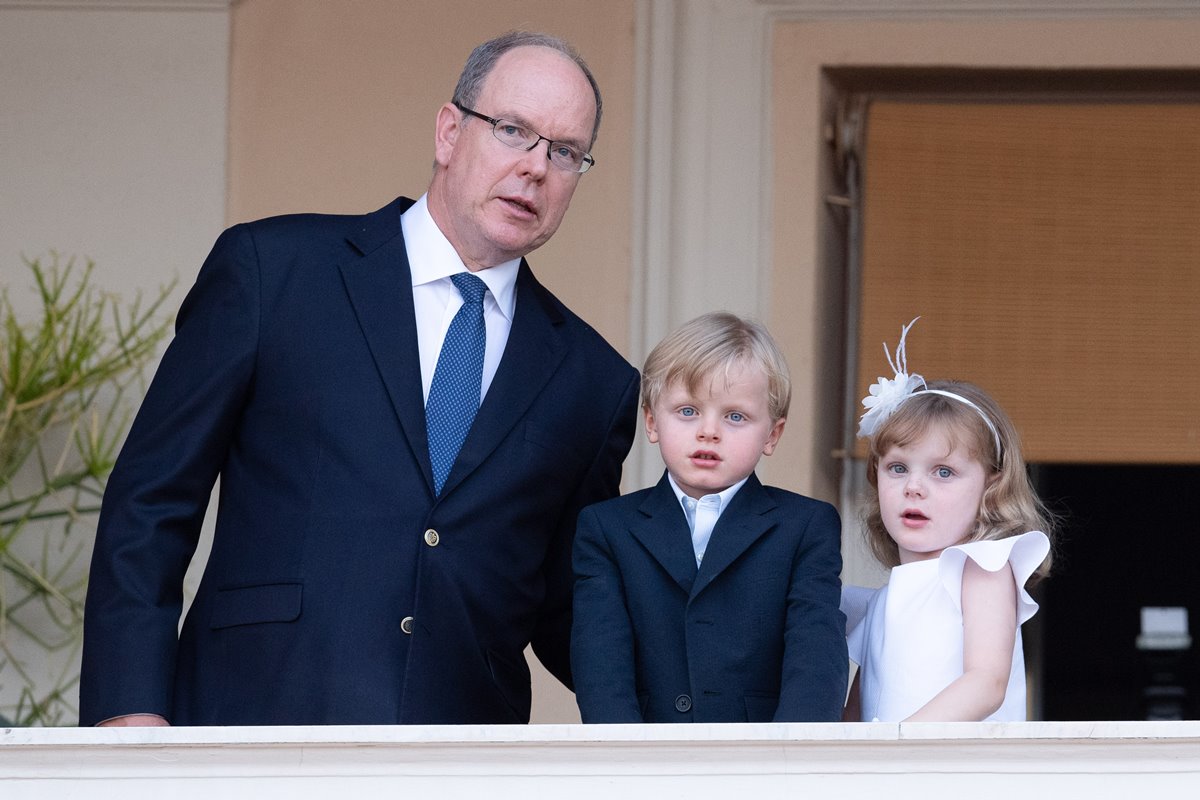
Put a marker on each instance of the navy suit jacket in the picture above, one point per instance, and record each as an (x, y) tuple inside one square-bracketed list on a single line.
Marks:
[(753, 635), (294, 376)]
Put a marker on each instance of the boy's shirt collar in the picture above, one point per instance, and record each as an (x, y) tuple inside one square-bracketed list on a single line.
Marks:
[(689, 504), (702, 514)]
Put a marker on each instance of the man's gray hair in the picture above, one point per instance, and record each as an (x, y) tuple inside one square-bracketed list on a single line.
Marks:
[(484, 57)]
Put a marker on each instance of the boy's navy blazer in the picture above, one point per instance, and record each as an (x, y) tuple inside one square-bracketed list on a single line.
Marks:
[(340, 589), (753, 635)]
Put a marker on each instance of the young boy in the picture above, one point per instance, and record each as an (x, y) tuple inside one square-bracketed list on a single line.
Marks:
[(710, 597)]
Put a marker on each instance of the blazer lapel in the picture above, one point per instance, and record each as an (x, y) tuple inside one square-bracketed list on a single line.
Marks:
[(533, 352), (379, 285), (663, 531), (741, 524)]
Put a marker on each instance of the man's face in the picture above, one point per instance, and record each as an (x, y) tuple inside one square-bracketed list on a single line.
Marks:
[(496, 203)]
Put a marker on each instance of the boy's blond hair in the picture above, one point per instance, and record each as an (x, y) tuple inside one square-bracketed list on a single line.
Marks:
[(712, 344)]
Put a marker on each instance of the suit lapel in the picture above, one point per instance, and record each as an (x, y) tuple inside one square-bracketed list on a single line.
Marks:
[(534, 350), (379, 285), (746, 519), (663, 531)]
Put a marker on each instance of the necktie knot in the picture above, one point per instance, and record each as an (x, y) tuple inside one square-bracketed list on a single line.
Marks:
[(470, 287)]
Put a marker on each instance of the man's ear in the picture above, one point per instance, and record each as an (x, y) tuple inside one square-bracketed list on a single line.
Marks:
[(446, 131), (651, 426), (773, 438)]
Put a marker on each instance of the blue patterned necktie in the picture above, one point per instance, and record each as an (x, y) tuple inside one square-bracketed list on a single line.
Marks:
[(454, 393)]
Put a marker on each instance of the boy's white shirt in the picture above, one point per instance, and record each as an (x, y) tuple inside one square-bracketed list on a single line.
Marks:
[(702, 514)]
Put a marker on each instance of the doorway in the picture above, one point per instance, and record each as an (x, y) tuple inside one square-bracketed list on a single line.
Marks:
[(1049, 270), (1130, 540)]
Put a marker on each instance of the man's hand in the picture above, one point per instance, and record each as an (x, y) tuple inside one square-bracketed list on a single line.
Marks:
[(135, 721)]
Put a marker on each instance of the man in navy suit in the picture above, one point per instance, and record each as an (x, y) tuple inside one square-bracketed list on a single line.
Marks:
[(710, 597), (351, 580)]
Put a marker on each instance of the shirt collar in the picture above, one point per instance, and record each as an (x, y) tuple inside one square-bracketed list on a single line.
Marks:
[(431, 258), (723, 498)]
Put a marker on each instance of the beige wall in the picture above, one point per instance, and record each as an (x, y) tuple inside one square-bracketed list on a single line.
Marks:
[(112, 139), (332, 108), (112, 148)]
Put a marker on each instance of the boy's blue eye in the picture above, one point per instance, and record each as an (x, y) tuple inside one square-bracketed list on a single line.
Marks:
[(944, 472), (687, 411), (736, 416), (896, 469)]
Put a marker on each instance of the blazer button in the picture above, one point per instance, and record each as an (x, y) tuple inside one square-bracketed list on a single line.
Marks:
[(683, 704), (432, 538), (406, 625)]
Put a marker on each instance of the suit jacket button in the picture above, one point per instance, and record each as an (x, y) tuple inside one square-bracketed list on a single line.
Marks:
[(683, 704), (432, 538), (406, 625)]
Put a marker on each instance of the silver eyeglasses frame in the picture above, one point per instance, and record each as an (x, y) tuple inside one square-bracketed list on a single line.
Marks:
[(560, 154)]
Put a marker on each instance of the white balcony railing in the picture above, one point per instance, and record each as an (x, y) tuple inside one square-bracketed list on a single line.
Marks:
[(973, 761)]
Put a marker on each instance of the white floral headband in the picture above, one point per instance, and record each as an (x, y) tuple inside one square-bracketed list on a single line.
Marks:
[(887, 394)]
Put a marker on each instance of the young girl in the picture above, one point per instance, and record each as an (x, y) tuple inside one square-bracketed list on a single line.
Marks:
[(955, 518)]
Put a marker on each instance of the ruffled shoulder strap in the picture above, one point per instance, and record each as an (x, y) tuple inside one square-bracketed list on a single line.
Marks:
[(1025, 553)]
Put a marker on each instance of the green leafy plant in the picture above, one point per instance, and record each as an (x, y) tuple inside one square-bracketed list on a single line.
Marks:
[(63, 414)]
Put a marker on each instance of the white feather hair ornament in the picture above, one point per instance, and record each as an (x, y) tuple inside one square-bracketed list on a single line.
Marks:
[(886, 394)]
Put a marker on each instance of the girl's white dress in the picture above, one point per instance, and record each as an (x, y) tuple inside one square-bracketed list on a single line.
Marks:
[(907, 636)]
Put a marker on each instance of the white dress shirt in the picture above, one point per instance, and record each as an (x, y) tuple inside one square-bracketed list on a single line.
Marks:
[(702, 514), (432, 260)]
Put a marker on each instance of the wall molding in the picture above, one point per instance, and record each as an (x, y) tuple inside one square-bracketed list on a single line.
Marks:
[(953, 9), (116, 5)]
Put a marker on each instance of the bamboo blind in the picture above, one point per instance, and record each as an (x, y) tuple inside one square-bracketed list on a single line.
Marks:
[(1053, 252)]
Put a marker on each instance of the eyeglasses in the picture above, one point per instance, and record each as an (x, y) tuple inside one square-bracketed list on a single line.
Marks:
[(562, 155)]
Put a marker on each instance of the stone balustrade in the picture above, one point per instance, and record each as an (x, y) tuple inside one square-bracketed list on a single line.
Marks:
[(973, 761)]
